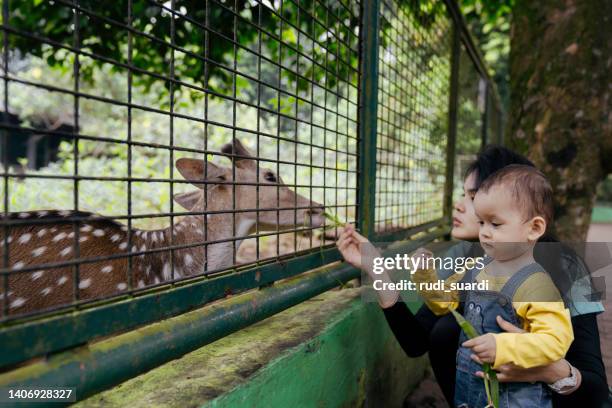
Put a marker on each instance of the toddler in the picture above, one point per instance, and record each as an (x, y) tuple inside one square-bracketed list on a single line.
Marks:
[(514, 207)]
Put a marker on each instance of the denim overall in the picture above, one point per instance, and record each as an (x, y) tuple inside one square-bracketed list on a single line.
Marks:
[(481, 309)]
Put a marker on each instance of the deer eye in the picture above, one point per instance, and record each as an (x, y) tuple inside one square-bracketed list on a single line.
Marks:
[(269, 176)]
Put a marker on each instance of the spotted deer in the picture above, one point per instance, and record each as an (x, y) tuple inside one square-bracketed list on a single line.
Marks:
[(32, 245)]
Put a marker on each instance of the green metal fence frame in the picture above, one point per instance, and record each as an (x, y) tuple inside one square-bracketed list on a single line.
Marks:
[(127, 312)]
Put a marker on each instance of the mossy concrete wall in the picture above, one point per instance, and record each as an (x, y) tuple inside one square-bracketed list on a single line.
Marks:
[(330, 351)]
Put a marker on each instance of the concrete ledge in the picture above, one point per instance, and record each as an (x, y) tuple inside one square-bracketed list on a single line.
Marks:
[(332, 350)]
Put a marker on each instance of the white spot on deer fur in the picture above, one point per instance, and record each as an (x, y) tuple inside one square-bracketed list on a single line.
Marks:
[(83, 239), (85, 283), (199, 232), (39, 251), (154, 236), (116, 237), (62, 280), (86, 228), (18, 265), (41, 232), (167, 272), (66, 251), (71, 235), (25, 238), (10, 293), (141, 283), (37, 275), (156, 280), (122, 286), (134, 248), (53, 229), (98, 232), (148, 270), (188, 260), (17, 303), (65, 213), (123, 245), (42, 213), (24, 215), (9, 239), (107, 269), (124, 228), (46, 291), (59, 236)]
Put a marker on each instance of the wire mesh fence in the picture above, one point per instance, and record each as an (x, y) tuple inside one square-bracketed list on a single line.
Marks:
[(414, 82), (145, 86), (152, 144)]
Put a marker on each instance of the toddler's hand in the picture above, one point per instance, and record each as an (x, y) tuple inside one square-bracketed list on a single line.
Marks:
[(483, 347)]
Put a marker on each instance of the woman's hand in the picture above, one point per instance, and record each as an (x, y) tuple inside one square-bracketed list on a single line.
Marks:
[(512, 373), (354, 247), (359, 252)]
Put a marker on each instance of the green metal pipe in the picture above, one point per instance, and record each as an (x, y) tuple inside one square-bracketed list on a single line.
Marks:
[(453, 101), (101, 365), (122, 315), (368, 111), (104, 364)]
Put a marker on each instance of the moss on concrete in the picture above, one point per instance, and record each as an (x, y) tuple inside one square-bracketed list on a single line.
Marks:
[(332, 350)]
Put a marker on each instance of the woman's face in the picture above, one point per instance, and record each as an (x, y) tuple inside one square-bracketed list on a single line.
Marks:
[(465, 222)]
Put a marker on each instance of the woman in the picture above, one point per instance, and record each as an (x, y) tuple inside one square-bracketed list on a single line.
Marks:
[(578, 379)]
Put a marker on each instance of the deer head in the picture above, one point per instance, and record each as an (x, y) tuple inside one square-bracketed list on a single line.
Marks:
[(279, 206)]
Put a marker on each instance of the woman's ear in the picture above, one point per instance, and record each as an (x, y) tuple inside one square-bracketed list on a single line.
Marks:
[(537, 228)]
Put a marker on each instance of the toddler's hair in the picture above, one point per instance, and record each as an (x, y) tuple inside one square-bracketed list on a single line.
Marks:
[(529, 187)]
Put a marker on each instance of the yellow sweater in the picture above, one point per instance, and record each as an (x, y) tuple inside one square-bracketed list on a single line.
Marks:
[(547, 322)]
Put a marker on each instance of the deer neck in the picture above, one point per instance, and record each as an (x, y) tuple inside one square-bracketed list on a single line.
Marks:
[(193, 229)]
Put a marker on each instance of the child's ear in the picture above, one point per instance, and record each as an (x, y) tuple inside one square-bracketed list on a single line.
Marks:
[(537, 228)]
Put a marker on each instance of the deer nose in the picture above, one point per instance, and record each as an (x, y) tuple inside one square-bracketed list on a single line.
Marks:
[(315, 210)]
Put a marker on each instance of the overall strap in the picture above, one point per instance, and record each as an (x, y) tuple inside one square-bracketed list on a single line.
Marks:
[(471, 274), (518, 278)]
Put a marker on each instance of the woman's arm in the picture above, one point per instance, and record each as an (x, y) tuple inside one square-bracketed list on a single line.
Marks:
[(584, 354), (411, 330), (360, 252)]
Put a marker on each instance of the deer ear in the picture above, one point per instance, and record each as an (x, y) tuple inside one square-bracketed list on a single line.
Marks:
[(235, 148), (188, 200), (193, 170)]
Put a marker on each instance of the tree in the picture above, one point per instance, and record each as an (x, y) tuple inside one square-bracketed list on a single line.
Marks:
[(560, 60)]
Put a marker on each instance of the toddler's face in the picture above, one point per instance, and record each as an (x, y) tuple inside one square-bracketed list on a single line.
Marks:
[(504, 232)]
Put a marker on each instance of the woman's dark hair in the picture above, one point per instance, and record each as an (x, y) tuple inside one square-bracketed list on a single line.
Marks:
[(561, 261), (492, 158)]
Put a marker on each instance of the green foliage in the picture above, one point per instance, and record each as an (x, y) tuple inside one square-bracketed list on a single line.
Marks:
[(489, 22), (490, 381), (103, 32), (604, 190)]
